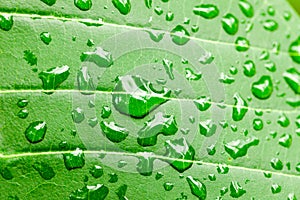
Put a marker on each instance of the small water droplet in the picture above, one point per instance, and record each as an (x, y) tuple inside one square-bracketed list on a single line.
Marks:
[(287, 15), (30, 57), (169, 16), (77, 115), (246, 8), (206, 58), (158, 10), (180, 35), (212, 177), (6, 173), (90, 43), (36, 131), (223, 191), (270, 66), (113, 178), (6, 22), (156, 35), (203, 103), (123, 6), (190, 75), (257, 124), (113, 131), (122, 163), (249, 68), (222, 169), (85, 82), (283, 120), (158, 175), (83, 5), (148, 3), (23, 113), (46, 37), (49, 2), (239, 148), (242, 44), (292, 78), (275, 188), (230, 24), (121, 192), (285, 140), (207, 11), (240, 108), (197, 187), (226, 79), (211, 150), (263, 88), (294, 50), (74, 159), (276, 164), (105, 112), (270, 25), (93, 192), (92, 122), (291, 196), (207, 128), (45, 170), (168, 66), (22, 103), (236, 190), (100, 57), (168, 186)]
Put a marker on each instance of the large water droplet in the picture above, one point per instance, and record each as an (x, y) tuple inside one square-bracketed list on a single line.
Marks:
[(123, 6), (207, 128), (113, 131), (100, 57), (242, 44), (239, 148), (159, 124), (236, 190), (207, 11), (6, 22), (180, 35), (180, 149), (45, 170), (46, 37), (136, 97), (77, 115), (85, 81), (203, 103), (53, 77), (36, 131), (240, 108), (74, 159), (246, 8), (230, 24), (83, 5), (197, 187), (249, 68), (292, 78), (263, 88), (93, 192)]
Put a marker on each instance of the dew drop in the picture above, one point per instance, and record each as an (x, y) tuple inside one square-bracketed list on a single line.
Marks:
[(236, 190), (223, 191), (276, 164), (83, 5), (246, 8), (23, 114), (74, 159), (263, 88), (207, 11), (168, 186), (283, 120), (203, 103), (45, 170), (211, 150), (90, 43), (145, 164), (206, 58), (113, 178), (148, 3), (212, 177), (105, 112), (292, 78), (257, 124), (123, 6), (6, 22), (222, 169), (49, 2), (85, 82), (100, 57), (121, 192), (294, 50), (22, 103), (92, 122), (240, 108), (96, 171), (190, 75), (92, 192), (113, 131), (46, 37), (6, 173), (158, 175), (230, 24), (197, 187), (249, 68), (275, 188), (158, 10), (77, 115), (239, 148), (36, 131), (270, 25), (226, 79), (270, 66), (180, 35), (30, 57), (169, 16), (156, 35), (207, 128), (242, 44), (168, 66)]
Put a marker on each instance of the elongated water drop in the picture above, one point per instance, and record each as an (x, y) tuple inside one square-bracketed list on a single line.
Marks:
[(54, 77), (85, 82), (239, 148), (294, 50), (44, 169), (148, 3), (246, 8), (36, 131), (168, 65), (74, 159), (207, 11), (240, 108), (197, 187), (292, 78), (270, 25), (136, 97), (113, 131), (22, 103), (100, 57), (6, 22), (263, 88), (275, 188), (230, 24), (159, 124), (179, 149), (123, 6), (180, 35)]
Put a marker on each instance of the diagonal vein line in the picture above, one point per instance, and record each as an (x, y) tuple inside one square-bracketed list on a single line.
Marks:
[(152, 95), (152, 155), (100, 22)]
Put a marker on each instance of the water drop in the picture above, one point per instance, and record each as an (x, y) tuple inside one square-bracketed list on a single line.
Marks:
[(6, 22), (46, 37), (246, 8), (240, 108), (180, 150), (249, 68), (223, 191), (233, 70), (93, 192), (123, 6), (180, 35), (169, 16), (23, 113), (271, 10), (121, 192), (158, 10), (74, 159), (36, 131), (105, 112), (77, 115), (83, 5), (222, 169), (113, 178), (145, 164), (207, 128), (159, 124), (212, 177), (211, 150), (239, 148), (168, 66), (287, 15), (100, 57), (283, 120), (207, 11), (270, 66), (113, 131), (148, 3), (236, 190), (263, 88), (294, 50), (242, 44), (90, 43), (30, 57), (230, 24), (6, 173), (158, 175), (22, 103), (53, 77), (156, 35), (136, 97), (168, 186), (85, 82), (275, 188), (49, 2), (203, 103), (292, 78), (206, 58), (257, 124), (190, 75), (276, 164), (197, 187), (92, 122), (122, 163), (285, 140), (96, 171), (270, 25), (45, 170), (291, 196), (195, 28), (226, 79)]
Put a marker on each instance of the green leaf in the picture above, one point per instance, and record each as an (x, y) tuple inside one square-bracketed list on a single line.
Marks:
[(149, 99)]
